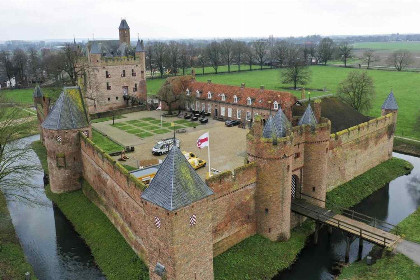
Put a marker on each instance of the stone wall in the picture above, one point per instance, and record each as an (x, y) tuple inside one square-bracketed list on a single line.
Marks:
[(233, 207), (355, 150)]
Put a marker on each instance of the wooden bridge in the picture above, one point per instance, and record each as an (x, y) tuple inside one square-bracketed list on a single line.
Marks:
[(351, 222)]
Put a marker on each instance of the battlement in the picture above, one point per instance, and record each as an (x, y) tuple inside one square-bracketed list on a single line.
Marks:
[(363, 129), (113, 61)]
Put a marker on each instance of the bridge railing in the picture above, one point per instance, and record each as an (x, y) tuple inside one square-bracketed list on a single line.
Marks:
[(380, 224), (354, 229)]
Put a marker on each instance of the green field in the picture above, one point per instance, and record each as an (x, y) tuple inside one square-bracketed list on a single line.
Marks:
[(105, 143), (389, 46), (404, 84), (24, 96)]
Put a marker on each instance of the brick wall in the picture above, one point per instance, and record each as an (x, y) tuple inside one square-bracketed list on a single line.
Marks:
[(233, 207), (355, 150)]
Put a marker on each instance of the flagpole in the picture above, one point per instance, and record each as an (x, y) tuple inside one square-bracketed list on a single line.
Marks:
[(208, 150)]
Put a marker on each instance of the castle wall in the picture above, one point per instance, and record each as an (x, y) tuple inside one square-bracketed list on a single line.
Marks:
[(118, 194), (355, 150), (233, 207)]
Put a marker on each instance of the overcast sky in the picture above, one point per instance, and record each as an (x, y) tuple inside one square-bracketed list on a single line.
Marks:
[(58, 19)]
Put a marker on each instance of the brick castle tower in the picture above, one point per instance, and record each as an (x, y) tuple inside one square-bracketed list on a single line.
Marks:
[(61, 138), (124, 30)]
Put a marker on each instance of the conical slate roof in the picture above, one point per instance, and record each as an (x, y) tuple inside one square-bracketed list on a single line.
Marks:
[(308, 117), (95, 49), (123, 24), (276, 126), (176, 184), (68, 112), (37, 92), (390, 103), (139, 47)]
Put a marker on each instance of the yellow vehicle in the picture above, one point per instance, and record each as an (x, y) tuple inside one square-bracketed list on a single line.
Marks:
[(146, 175), (188, 155), (197, 163)]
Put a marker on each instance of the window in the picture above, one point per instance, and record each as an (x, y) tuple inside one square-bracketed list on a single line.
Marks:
[(116, 98), (123, 73), (203, 107), (229, 112), (222, 111), (209, 95), (248, 115), (61, 160), (297, 155), (133, 73), (135, 88), (249, 101), (187, 92), (108, 86), (235, 99), (109, 99), (276, 105), (238, 114), (209, 108), (223, 97), (187, 105), (107, 74), (197, 93), (125, 90), (197, 105)]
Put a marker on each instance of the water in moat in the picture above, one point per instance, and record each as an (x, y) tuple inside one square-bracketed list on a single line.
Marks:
[(49, 241), (392, 204)]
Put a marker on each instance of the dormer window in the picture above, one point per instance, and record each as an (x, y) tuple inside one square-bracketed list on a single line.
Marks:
[(235, 99), (276, 105), (223, 97), (197, 93), (249, 101), (209, 95), (187, 92)]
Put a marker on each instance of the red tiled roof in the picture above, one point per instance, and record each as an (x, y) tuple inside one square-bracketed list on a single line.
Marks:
[(260, 97)]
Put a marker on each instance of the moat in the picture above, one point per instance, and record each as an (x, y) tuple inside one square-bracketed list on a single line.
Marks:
[(56, 251)]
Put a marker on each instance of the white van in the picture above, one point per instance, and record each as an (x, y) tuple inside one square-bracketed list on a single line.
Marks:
[(164, 146)]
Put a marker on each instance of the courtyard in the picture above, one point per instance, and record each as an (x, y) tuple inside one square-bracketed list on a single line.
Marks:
[(143, 129)]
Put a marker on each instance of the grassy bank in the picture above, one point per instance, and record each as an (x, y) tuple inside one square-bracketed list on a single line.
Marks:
[(364, 185), (112, 254), (13, 264), (390, 266), (24, 96), (406, 146), (105, 143)]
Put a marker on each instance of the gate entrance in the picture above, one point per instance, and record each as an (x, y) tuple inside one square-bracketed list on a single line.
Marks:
[(295, 180)]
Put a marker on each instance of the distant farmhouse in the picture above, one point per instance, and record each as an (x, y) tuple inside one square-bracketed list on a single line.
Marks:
[(115, 75)]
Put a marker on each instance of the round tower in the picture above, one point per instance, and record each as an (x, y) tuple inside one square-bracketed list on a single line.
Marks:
[(273, 157), (61, 130)]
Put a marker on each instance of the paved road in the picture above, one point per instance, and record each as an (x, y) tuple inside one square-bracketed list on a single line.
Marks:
[(410, 250)]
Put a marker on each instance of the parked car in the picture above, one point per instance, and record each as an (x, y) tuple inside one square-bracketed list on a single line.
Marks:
[(194, 118), (164, 146), (197, 163), (187, 116), (230, 123), (207, 114), (188, 155), (204, 120)]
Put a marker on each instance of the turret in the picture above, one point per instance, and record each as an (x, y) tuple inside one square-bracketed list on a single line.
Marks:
[(390, 105), (272, 151), (124, 30), (141, 57), (177, 205), (316, 135), (61, 130)]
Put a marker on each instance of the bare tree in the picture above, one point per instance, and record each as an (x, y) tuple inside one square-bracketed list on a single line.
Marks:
[(249, 56), (345, 51), (6, 64), (369, 57), (173, 55), (260, 48), (74, 62), (213, 53), (16, 159), (150, 58), (202, 60), (160, 50), (239, 49), (280, 52), (357, 90), (34, 65), (20, 62), (400, 59), (226, 51), (297, 71), (325, 50), (184, 57), (173, 91), (52, 65)]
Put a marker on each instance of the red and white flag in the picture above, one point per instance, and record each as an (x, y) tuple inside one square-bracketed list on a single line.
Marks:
[(203, 140)]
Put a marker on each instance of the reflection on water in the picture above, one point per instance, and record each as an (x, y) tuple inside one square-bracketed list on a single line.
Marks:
[(49, 241), (393, 203)]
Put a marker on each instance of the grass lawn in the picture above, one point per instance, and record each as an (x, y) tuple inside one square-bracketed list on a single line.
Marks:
[(354, 191), (105, 143), (24, 96), (390, 266), (13, 264), (406, 87), (15, 113), (107, 119), (411, 46)]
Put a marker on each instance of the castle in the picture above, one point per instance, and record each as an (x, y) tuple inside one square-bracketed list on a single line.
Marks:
[(179, 223), (115, 73)]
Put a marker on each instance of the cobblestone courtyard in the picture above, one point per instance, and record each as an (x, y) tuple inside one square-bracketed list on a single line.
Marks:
[(227, 144)]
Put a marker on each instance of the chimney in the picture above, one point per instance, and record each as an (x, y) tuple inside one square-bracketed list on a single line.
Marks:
[(317, 109), (209, 81), (262, 87), (242, 85)]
